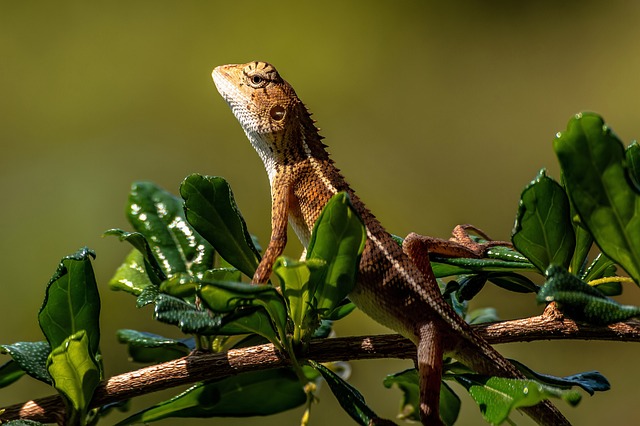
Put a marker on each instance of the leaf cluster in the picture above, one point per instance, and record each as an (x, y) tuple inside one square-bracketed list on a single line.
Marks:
[(192, 258)]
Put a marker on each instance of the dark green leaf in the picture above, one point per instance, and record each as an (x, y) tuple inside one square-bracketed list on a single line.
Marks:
[(601, 267), (592, 159), (75, 374), (470, 286), (160, 217), (211, 209), (72, 302), (31, 357), (513, 282), (498, 396), (632, 156), (349, 398), (149, 265), (580, 301), (132, 275), (409, 383), (186, 316), (10, 371), (148, 296), (338, 238), (446, 267), (543, 231), (341, 311), (151, 348), (226, 297), (590, 381), (258, 393)]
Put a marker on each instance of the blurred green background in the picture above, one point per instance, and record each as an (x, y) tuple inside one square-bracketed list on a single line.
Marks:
[(438, 113)]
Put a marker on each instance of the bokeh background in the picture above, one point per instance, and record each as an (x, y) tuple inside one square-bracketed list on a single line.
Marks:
[(437, 112)]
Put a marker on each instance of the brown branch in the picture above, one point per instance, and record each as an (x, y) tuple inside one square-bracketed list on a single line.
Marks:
[(206, 366)]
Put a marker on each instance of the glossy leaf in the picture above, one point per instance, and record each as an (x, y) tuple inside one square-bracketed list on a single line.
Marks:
[(498, 396), (186, 316), (543, 231), (580, 301), (351, 401), (409, 383), (31, 357), (338, 238), (75, 374), (152, 348), (294, 278), (72, 302), (211, 209), (258, 393), (592, 159), (131, 276), (226, 297), (443, 267), (149, 265), (590, 381), (160, 217)]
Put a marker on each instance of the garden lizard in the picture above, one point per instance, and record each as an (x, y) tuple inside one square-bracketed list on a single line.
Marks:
[(395, 285)]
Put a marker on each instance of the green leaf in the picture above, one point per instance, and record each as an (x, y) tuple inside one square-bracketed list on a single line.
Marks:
[(31, 357), (294, 277), (592, 159), (226, 297), (10, 371), (351, 401), (160, 217), (590, 381), (581, 301), (186, 316), (409, 383), (211, 209), (632, 155), (498, 396), (482, 315), (513, 282), (338, 238), (132, 275), (601, 267), (72, 302), (258, 393), (543, 231), (152, 348), (446, 267), (75, 374), (149, 264)]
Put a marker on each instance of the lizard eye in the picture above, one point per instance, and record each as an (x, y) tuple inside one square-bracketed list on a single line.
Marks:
[(277, 113), (257, 80)]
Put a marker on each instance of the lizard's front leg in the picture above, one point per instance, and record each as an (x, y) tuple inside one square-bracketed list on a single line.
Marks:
[(280, 200)]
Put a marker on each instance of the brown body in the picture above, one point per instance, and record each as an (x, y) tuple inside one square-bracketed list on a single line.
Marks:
[(395, 285)]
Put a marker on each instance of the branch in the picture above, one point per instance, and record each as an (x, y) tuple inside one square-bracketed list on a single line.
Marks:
[(199, 366)]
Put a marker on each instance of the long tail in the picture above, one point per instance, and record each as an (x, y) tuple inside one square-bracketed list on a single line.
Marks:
[(490, 362)]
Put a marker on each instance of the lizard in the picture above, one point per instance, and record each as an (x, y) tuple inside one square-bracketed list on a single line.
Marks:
[(395, 285)]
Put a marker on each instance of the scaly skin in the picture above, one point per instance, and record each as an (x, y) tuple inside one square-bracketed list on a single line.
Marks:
[(396, 286)]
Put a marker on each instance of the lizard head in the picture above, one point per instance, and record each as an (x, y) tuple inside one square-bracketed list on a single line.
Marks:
[(259, 98), (274, 119)]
